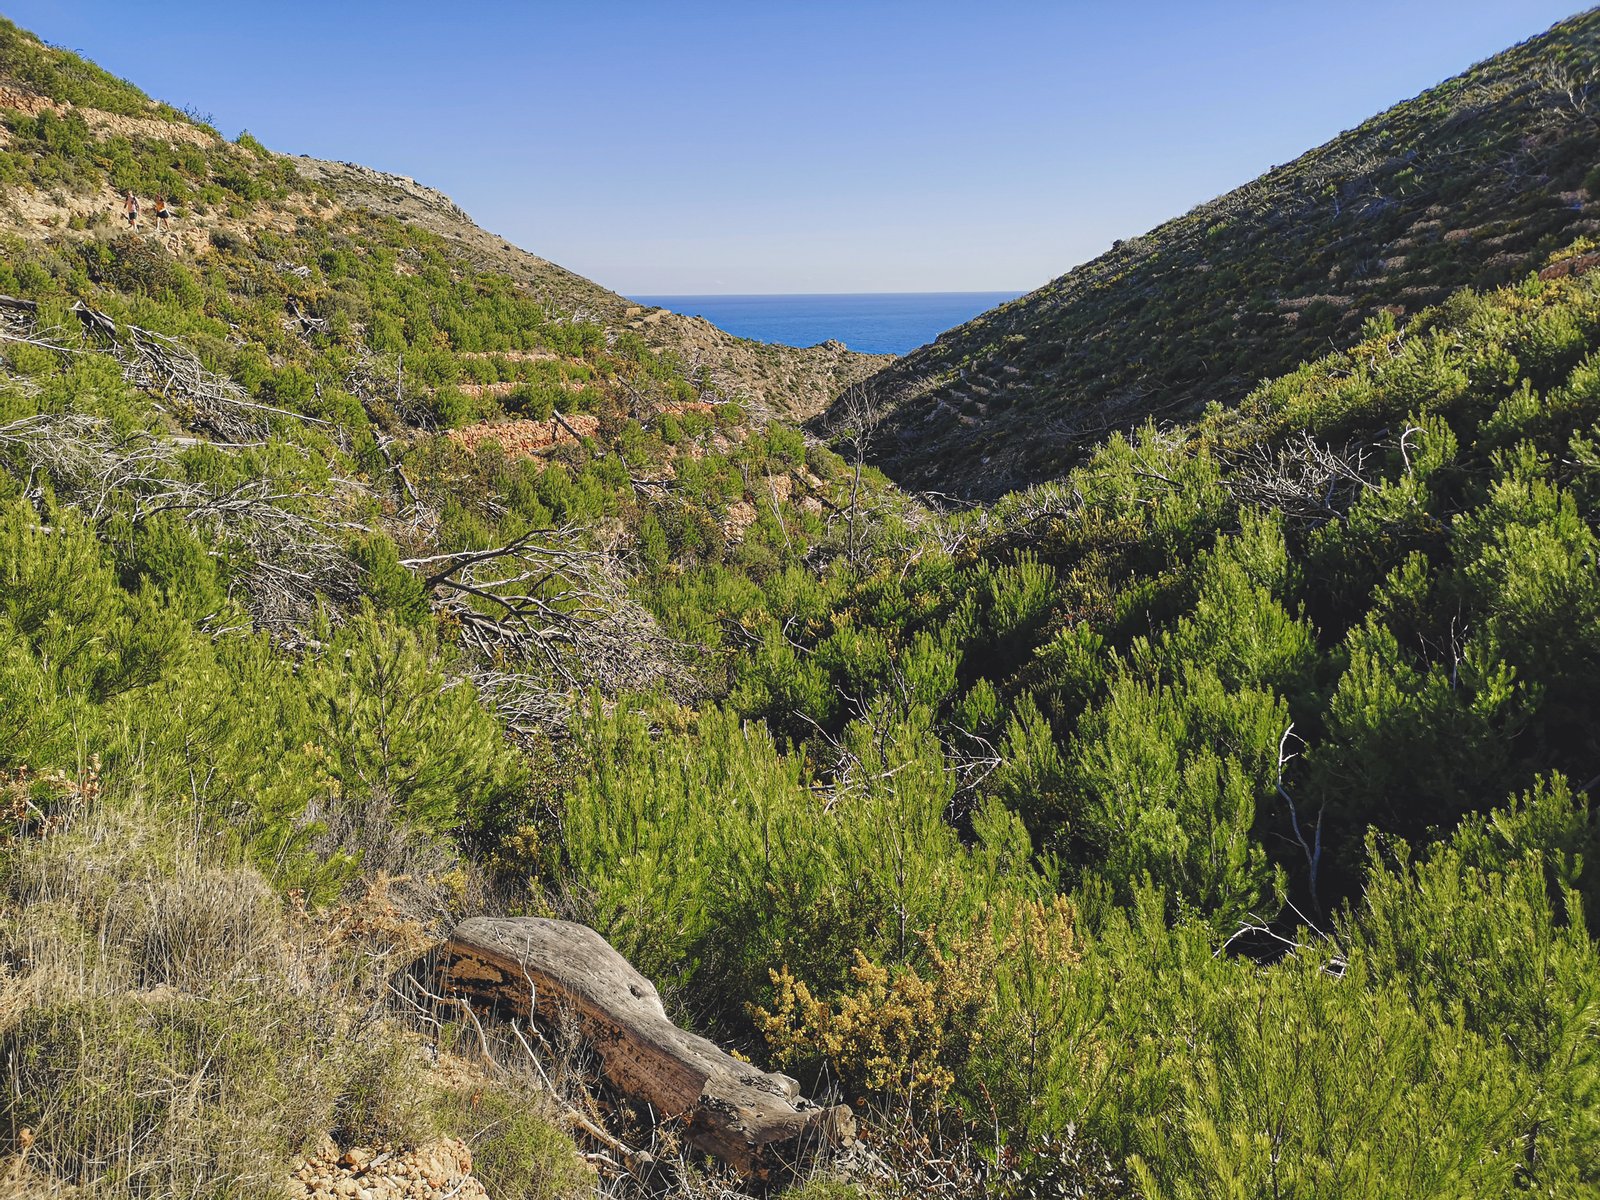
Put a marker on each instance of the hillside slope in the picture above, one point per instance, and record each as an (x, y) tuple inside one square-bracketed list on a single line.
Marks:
[(1470, 183), (60, 107), (786, 380)]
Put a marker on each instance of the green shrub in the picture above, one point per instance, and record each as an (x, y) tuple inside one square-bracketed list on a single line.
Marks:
[(393, 731), (517, 1151)]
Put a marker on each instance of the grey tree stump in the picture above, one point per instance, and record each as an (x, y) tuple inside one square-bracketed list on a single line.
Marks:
[(755, 1121)]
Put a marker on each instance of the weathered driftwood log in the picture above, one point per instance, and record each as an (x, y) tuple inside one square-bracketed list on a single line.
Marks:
[(754, 1121)]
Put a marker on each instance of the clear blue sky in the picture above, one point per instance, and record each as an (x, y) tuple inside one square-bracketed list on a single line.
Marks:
[(750, 146)]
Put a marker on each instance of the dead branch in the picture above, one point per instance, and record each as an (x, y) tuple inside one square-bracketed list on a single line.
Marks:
[(1312, 847), (755, 1121), (283, 543), (163, 365), (543, 619), (856, 416), (1304, 480)]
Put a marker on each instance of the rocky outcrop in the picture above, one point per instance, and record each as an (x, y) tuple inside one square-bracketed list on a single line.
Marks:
[(434, 1171)]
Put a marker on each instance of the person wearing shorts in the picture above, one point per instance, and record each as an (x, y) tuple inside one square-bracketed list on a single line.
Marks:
[(130, 208)]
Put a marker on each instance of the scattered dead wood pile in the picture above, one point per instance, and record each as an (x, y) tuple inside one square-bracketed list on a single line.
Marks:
[(543, 618)]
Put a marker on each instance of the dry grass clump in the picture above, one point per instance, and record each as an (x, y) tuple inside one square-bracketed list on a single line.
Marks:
[(170, 1026)]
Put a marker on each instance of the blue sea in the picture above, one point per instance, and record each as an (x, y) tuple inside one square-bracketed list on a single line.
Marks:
[(872, 322)]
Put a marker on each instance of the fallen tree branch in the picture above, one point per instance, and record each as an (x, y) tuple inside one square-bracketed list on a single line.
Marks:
[(754, 1121)]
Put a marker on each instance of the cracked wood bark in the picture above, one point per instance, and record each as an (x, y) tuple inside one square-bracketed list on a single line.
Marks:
[(754, 1121)]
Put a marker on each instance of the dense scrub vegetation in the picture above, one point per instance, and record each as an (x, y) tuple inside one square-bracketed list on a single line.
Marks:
[(1212, 821), (245, 754), (1179, 689), (70, 79), (1469, 184)]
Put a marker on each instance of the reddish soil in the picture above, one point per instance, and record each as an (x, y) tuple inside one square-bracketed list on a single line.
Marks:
[(522, 438)]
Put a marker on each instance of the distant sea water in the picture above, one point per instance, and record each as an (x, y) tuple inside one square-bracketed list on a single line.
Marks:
[(872, 322)]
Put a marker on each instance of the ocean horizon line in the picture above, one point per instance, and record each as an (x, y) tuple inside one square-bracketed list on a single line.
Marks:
[(872, 322), (640, 297)]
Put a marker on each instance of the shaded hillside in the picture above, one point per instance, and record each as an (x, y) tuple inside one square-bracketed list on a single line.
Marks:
[(1470, 183)]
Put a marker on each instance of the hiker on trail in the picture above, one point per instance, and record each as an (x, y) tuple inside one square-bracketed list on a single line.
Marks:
[(130, 208), (163, 215)]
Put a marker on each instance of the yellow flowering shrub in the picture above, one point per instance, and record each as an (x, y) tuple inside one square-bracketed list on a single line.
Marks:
[(905, 1033)]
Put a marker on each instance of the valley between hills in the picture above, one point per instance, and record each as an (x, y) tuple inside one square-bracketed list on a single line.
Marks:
[(463, 734)]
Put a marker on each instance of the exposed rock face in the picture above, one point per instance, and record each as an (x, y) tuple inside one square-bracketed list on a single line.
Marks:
[(754, 1121), (365, 185), (1580, 264)]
